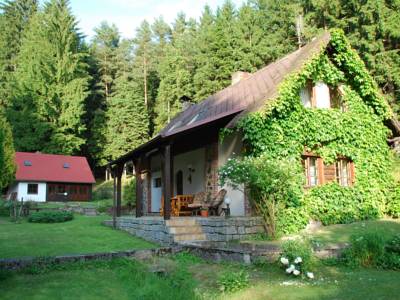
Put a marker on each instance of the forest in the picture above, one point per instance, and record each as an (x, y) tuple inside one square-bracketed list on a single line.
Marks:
[(100, 97)]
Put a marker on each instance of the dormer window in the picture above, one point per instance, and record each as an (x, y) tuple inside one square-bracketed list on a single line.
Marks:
[(66, 165), (27, 163), (320, 95)]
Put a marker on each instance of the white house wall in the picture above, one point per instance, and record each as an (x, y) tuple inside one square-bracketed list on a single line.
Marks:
[(232, 146), (195, 159), (23, 192)]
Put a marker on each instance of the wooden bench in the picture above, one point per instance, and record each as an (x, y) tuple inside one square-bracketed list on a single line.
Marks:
[(179, 205)]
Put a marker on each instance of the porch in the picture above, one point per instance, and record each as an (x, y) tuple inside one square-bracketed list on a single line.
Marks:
[(189, 229), (173, 170)]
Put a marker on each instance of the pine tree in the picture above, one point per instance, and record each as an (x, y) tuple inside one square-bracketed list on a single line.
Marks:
[(14, 19), (52, 82), (7, 154), (176, 72), (127, 117)]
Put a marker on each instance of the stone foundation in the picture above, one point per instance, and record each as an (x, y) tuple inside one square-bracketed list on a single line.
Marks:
[(216, 229), (234, 228)]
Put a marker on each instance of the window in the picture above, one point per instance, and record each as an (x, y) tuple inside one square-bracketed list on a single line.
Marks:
[(157, 182), (311, 165), (32, 189), (66, 165), (61, 189), (320, 95), (73, 190), (343, 172), (27, 163)]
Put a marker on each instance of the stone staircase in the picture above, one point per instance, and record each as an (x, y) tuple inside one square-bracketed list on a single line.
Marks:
[(185, 230)]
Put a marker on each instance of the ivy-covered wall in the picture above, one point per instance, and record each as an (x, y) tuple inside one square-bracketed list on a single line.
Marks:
[(285, 128)]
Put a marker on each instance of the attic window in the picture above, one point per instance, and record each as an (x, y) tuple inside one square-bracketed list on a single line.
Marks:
[(320, 95), (27, 163), (66, 165)]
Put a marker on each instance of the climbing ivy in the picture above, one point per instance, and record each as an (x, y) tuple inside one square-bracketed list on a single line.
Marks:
[(285, 129)]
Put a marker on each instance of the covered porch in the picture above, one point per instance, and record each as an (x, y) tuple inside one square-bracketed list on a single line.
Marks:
[(177, 168)]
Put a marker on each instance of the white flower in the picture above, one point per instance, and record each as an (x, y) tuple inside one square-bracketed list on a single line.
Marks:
[(296, 272), (284, 261), (290, 269), (298, 260), (310, 275)]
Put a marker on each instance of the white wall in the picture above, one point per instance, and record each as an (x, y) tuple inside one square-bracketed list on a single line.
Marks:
[(196, 159), (22, 190), (232, 146)]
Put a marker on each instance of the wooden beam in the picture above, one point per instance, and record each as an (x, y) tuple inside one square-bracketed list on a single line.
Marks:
[(139, 191), (114, 200), (167, 176), (119, 169)]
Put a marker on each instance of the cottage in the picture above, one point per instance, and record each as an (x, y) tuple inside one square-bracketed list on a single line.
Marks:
[(47, 177), (183, 159)]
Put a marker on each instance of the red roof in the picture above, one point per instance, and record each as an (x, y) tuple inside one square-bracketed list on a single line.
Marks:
[(52, 168)]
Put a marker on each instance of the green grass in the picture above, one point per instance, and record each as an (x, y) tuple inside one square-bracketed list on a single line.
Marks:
[(341, 233), (192, 278), (81, 235)]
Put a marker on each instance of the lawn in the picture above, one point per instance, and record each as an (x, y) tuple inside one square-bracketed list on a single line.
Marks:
[(81, 235), (192, 278)]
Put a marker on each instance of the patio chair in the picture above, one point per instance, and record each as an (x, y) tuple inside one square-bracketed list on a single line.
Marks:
[(216, 202), (198, 202)]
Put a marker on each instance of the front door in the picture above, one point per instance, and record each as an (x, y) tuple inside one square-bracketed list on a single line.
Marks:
[(156, 191)]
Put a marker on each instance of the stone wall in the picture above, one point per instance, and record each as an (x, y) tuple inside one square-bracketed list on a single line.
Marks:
[(234, 228), (149, 228)]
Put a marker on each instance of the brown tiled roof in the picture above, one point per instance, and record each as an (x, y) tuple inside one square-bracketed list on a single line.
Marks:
[(247, 95)]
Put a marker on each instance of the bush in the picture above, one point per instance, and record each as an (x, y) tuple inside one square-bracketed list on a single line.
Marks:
[(293, 249), (129, 194), (230, 282), (275, 187), (393, 206), (51, 217), (366, 250)]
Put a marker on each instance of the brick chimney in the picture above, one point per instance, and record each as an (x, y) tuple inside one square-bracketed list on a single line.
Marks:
[(238, 76)]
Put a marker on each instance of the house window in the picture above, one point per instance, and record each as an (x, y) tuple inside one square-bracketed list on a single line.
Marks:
[(32, 189), (82, 190), (320, 95), (343, 172), (311, 164), (61, 189), (157, 182)]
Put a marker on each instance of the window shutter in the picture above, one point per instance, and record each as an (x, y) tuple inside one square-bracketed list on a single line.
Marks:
[(330, 173), (352, 174), (321, 177)]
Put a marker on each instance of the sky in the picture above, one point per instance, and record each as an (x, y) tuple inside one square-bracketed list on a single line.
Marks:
[(128, 14)]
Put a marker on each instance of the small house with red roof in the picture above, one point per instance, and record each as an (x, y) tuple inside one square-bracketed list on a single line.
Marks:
[(47, 177)]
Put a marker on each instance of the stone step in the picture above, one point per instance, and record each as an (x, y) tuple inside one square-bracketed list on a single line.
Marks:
[(189, 237), (185, 229), (181, 222)]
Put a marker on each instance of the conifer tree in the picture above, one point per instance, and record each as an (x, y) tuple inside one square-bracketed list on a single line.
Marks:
[(7, 154), (52, 81), (127, 117), (14, 19)]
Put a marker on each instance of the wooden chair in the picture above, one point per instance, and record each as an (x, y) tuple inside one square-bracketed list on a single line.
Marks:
[(181, 205), (198, 202), (216, 202)]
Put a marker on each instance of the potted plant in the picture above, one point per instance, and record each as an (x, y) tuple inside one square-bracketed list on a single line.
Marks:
[(204, 212)]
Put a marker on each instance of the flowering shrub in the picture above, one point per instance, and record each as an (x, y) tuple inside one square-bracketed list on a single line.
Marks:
[(297, 258), (274, 185)]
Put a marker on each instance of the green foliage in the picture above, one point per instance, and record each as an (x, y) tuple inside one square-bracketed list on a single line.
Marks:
[(129, 193), (393, 206), (365, 250), (302, 248), (51, 83), (50, 216), (7, 154), (230, 282), (275, 187), (285, 129)]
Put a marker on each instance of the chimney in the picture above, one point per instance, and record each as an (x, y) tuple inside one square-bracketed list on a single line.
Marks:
[(238, 76)]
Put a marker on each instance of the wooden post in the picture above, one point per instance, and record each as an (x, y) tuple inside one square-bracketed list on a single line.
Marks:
[(139, 193), (119, 170), (114, 202), (167, 181)]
